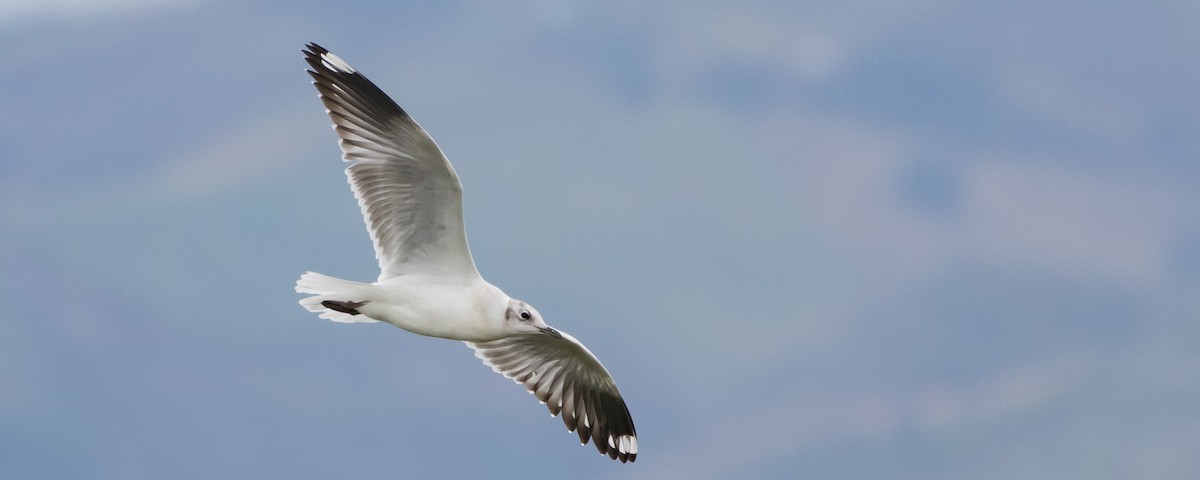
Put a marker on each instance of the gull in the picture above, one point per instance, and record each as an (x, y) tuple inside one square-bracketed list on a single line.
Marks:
[(411, 200)]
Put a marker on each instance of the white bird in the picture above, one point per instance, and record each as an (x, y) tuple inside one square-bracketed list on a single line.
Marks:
[(411, 200)]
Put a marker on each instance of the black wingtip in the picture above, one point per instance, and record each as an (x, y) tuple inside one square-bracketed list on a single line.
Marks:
[(312, 55), (314, 50), (330, 72)]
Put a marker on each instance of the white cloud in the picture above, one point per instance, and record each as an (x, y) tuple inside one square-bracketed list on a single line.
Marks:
[(241, 157), (767, 432), (16, 12), (1006, 393), (1087, 224), (757, 37), (1057, 99), (1012, 208)]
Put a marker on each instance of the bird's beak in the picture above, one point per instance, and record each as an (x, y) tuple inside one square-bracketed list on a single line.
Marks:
[(551, 332)]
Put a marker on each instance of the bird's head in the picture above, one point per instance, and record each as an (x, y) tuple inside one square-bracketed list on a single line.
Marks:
[(523, 318)]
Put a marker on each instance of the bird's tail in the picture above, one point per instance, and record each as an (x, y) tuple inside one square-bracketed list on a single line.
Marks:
[(323, 288)]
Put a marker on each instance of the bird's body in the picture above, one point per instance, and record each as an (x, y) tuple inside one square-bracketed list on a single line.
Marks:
[(411, 200), (467, 311)]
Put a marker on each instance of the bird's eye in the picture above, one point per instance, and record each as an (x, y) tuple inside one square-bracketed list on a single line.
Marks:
[(525, 315)]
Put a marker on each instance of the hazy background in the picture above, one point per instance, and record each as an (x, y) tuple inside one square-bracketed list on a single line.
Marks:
[(925, 239)]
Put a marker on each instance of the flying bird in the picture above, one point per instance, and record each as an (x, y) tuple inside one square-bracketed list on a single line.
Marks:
[(411, 200)]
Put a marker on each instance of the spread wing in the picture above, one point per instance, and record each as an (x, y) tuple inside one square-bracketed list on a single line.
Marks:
[(410, 196), (568, 379)]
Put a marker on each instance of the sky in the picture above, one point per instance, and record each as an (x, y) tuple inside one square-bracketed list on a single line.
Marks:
[(839, 240)]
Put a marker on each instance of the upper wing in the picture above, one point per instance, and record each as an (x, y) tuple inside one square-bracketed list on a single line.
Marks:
[(565, 376), (410, 196)]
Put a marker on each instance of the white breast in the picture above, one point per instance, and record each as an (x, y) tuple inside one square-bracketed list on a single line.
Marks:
[(470, 312)]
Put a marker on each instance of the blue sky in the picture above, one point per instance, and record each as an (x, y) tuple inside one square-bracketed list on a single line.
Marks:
[(929, 240)]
